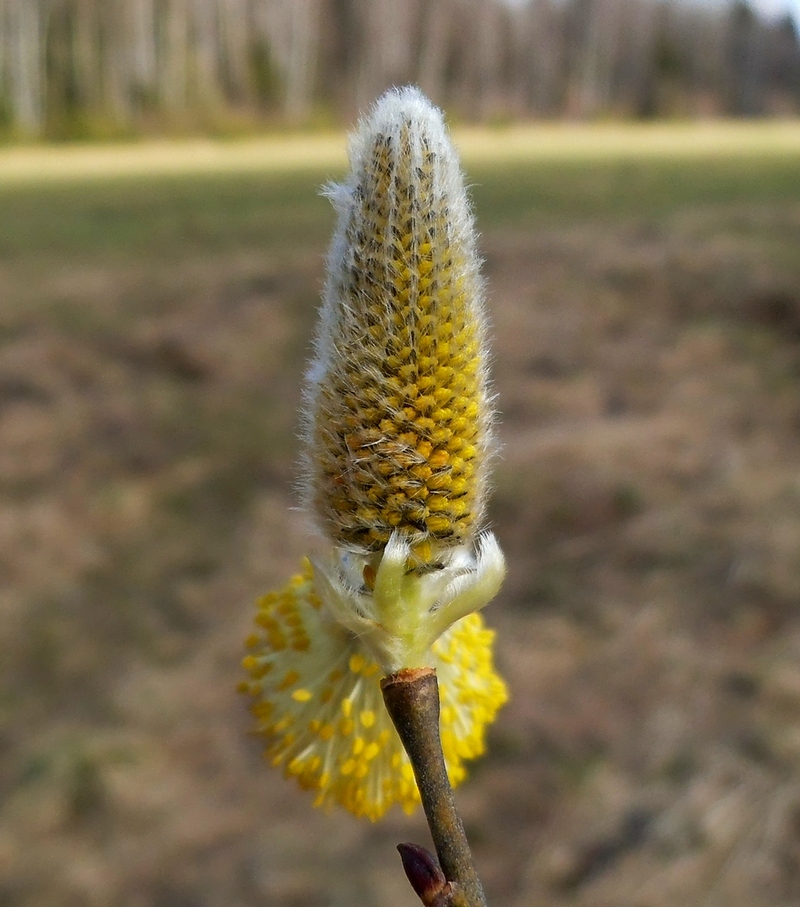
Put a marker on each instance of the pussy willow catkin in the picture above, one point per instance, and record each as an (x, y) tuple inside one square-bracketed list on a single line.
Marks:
[(398, 412), (317, 701), (397, 437)]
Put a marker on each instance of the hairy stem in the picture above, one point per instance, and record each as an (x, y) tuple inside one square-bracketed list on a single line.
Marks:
[(412, 700)]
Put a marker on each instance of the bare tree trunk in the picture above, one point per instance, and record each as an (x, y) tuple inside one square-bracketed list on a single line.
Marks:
[(26, 64), (173, 71), (300, 69), (640, 69), (435, 49), (85, 38), (206, 44), (546, 52), (117, 25), (593, 77), (4, 48), (144, 53), (234, 48), (389, 47), (486, 62)]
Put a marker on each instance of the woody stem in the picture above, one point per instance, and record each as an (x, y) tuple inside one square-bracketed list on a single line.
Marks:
[(412, 700)]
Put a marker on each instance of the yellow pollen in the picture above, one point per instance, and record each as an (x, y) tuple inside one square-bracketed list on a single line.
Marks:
[(357, 663), (367, 718), (351, 734), (371, 751)]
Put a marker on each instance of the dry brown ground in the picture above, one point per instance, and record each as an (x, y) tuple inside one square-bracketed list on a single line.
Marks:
[(647, 498)]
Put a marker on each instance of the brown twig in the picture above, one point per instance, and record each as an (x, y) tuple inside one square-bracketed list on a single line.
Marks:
[(412, 699)]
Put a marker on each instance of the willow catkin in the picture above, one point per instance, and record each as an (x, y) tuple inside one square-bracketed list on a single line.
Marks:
[(398, 412), (397, 435)]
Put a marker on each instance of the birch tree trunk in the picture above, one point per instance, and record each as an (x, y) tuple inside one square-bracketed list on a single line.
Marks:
[(234, 48), (208, 58), (4, 50), (434, 49), (117, 22), (175, 47), (300, 69), (26, 64), (85, 39), (144, 53)]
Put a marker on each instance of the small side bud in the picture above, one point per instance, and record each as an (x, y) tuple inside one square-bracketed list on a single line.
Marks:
[(423, 872)]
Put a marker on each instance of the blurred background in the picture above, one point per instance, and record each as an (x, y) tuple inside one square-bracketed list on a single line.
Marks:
[(94, 68), (635, 170)]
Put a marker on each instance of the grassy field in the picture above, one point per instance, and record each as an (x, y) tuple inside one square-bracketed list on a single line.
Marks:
[(156, 304)]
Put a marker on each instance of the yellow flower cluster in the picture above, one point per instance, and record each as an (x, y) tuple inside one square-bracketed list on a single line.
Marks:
[(399, 410), (397, 431), (317, 701)]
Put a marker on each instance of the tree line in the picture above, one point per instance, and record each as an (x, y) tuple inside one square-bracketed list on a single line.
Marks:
[(91, 67)]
